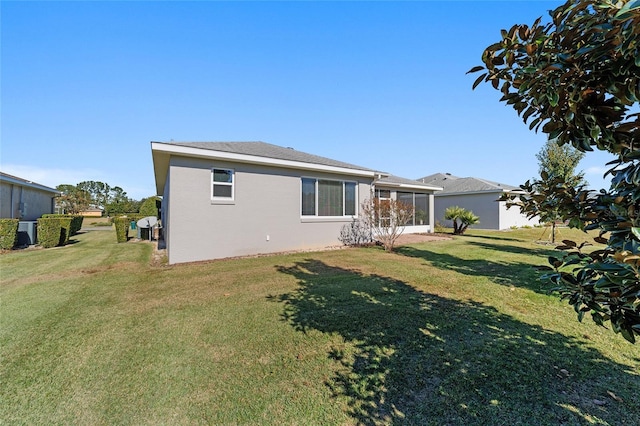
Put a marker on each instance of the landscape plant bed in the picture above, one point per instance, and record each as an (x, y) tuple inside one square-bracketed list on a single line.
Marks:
[(457, 332)]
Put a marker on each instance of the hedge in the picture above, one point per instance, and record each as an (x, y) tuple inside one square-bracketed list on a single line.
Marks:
[(150, 206), (76, 221), (54, 231), (8, 233), (122, 228), (65, 224)]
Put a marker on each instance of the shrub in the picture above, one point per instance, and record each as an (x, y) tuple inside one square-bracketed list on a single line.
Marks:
[(76, 221), (52, 232), (355, 233), (8, 233), (76, 224), (440, 228), (65, 230), (122, 228), (149, 207)]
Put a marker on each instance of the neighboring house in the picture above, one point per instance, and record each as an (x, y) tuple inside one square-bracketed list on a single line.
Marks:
[(480, 196), (23, 199), (92, 212), (226, 199)]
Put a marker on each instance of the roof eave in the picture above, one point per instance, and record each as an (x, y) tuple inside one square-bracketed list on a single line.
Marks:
[(28, 184), (408, 186), (161, 152), (486, 191)]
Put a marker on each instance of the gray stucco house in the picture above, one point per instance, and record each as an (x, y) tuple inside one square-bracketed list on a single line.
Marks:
[(23, 199), (481, 197), (227, 199)]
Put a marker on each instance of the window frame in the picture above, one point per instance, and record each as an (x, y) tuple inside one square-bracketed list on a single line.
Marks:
[(316, 216), (232, 184), (414, 194)]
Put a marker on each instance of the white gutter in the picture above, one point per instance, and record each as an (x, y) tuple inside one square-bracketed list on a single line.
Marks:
[(409, 186), (28, 184), (486, 191)]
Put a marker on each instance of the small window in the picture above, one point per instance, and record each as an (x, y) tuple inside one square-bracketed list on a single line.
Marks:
[(349, 198), (383, 194), (308, 197), (222, 184)]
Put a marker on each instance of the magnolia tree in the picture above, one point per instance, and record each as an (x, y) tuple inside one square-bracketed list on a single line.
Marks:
[(577, 78)]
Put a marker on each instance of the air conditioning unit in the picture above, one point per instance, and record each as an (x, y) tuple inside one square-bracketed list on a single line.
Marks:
[(27, 233)]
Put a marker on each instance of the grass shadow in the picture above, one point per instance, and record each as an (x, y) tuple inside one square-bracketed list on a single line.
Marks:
[(514, 249), (511, 273), (491, 237), (410, 357)]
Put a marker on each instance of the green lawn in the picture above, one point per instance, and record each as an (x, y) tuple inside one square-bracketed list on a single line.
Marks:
[(455, 332)]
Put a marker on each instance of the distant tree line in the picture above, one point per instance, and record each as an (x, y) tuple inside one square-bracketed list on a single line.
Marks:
[(112, 200)]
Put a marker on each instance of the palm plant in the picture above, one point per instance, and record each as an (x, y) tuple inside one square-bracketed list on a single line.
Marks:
[(461, 218)]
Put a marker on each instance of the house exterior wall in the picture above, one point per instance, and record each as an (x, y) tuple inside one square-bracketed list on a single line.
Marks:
[(512, 217), (265, 216), (24, 203), (91, 213), (483, 205), (493, 214)]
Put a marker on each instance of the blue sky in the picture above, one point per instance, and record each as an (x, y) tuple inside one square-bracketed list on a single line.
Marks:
[(87, 85)]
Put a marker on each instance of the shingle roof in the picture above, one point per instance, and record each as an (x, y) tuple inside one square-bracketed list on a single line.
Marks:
[(455, 185), (393, 180), (263, 149), (25, 182)]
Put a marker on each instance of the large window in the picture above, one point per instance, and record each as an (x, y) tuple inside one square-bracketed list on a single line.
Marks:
[(420, 204), (222, 184), (328, 197)]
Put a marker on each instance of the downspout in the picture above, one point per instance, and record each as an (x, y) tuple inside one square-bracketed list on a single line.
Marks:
[(12, 207), (432, 213), (376, 176), (21, 204)]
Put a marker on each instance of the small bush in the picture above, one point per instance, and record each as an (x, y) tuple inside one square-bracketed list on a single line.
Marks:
[(355, 233), (440, 228), (122, 228), (8, 233)]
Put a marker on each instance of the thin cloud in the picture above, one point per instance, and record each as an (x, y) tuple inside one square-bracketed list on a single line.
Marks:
[(52, 177), (595, 171)]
